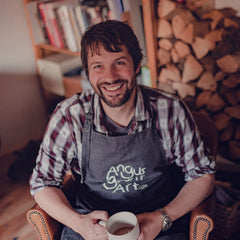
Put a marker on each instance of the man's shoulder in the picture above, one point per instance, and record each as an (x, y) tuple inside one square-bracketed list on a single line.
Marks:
[(155, 94), (77, 102)]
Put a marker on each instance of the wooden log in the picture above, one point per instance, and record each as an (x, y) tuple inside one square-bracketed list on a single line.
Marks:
[(187, 34), (221, 120), (230, 23), (174, 55), (234, 149), (228, 12), (201, 28), (215, 15), (193, 5), (215, 35), (219, 76), (228, 64), (164, 29), (165, 7), (170, 73), (184, 89), (237, 132), (232, 97), (165, 44), (203, 99), (227, 133), (223, 48), (232, 81), (216, 103), (202, 46), (182, 49), (209, 63), (178, 26), (191, 70), (207, 82), (182, 12), (163, 57), (166, 87), (234, 111)]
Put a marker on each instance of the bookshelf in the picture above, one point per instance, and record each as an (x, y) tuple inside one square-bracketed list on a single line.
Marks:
[(135, 9)]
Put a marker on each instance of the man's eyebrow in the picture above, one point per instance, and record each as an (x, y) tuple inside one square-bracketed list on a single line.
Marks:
[(122, 57), (94, 63)]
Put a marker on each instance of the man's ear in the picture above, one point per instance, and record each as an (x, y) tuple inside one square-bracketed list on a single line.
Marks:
[(138, 68)]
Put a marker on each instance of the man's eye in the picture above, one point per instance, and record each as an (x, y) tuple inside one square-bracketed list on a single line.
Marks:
[(97, 66), (120, 63)]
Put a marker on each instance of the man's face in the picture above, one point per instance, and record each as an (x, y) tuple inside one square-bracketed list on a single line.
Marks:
[(112, 76)]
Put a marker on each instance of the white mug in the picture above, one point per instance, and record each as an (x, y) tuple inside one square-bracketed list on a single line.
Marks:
[(122, 226)]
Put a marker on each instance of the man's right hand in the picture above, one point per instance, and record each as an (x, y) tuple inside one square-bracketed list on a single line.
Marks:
[(89, 228)]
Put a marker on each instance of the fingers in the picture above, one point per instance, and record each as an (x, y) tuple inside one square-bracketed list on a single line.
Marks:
[(99, 215)]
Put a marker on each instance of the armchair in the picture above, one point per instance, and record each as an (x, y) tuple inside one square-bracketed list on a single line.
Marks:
[(202, 217)]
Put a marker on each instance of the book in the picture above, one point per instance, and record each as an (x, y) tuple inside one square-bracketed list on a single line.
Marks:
[(37, 27), (75, 26), (45, 19), (51, 22), (51, 71), (67, 27), (137, 24), (83, 18), (116, 9)]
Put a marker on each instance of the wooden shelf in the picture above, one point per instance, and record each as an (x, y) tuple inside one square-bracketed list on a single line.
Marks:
[(50, 48)]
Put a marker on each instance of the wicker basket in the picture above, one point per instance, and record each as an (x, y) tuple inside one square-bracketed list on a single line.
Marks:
[(227, 220)]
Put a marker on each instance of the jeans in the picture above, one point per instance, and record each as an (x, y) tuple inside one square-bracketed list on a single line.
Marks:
[(69, 234)]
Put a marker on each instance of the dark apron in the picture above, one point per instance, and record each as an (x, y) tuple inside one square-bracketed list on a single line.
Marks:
[(124, 173)]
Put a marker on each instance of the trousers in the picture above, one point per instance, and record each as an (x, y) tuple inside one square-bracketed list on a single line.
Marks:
[(69, 234)]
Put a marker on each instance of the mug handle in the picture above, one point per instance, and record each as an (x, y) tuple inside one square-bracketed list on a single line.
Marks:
[(102, 223)]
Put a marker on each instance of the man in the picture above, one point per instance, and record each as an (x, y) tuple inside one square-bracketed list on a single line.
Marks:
[(121, 142)]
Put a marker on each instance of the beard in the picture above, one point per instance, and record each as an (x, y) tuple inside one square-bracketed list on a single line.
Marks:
[(116, 100)]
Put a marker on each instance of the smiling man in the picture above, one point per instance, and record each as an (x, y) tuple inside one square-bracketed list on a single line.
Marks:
[(121, 142)]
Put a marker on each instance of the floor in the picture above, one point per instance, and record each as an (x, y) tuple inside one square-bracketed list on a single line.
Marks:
[(15, 200)]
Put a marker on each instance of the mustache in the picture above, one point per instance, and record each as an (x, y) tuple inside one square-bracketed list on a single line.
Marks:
[(114, 82)]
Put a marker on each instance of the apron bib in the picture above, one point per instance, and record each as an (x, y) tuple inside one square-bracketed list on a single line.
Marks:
[(124, 173)]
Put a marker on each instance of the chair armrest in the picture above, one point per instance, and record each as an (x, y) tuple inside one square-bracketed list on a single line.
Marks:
[(45, 226), (202, 219)]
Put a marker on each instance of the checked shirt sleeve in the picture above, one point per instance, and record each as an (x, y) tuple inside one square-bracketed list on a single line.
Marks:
[(190, 152), (55, 154)]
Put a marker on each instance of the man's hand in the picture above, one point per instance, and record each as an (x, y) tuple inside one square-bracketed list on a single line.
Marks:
[(88, 226), (150, 225)]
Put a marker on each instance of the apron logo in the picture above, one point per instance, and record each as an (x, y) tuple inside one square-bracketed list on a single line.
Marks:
[(124, 178)]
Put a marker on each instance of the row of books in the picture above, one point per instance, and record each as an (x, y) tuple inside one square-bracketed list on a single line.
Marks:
[(61, 23)]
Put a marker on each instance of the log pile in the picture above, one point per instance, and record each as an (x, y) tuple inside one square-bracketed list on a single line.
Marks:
[(199, 60)]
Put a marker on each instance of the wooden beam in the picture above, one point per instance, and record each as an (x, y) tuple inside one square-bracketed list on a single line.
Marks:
[(150, 28)]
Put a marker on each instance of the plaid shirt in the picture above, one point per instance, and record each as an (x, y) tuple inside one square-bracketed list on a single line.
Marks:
[(61, 148)]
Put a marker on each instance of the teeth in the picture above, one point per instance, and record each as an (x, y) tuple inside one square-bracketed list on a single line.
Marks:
[(112, 88)]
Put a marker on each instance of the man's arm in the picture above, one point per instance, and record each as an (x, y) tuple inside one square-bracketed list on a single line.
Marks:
[(190, 196), (54, 202)]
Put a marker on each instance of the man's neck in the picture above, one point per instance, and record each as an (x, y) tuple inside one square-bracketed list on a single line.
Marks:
[(121, 115)]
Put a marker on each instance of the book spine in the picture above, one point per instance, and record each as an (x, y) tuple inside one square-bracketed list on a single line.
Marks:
[(81, 18), (64, 17), (58, 39), (43, 13), (75, 26)]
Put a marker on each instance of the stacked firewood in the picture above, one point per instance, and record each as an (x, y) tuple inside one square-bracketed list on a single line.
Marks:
[(199, 60)]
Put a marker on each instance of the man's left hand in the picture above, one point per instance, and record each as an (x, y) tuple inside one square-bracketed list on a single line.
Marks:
[(150, 225)]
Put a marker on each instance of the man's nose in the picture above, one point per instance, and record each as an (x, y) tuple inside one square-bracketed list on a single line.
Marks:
[(110, 74)]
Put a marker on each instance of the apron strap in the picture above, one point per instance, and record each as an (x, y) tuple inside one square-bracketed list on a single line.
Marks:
[(86, 139)]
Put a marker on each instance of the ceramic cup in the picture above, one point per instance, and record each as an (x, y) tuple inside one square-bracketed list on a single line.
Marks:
[(122, 226)]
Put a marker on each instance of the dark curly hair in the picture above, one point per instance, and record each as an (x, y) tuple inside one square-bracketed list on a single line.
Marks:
[(112, 35)]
